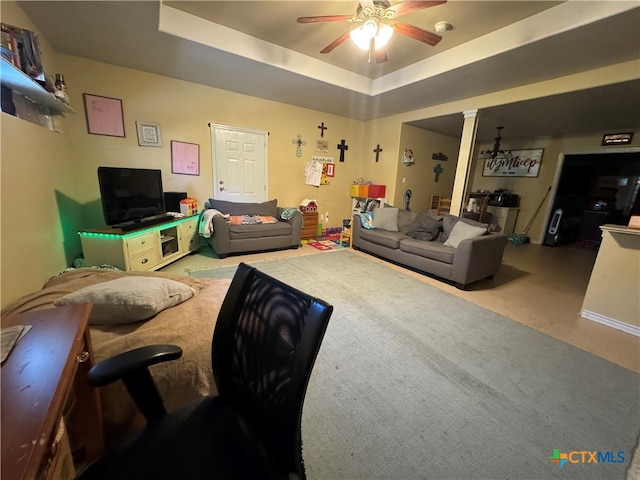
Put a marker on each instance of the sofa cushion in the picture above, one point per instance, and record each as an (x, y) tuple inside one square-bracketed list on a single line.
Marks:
[(424, 227), (463, 231), (269, 208), (433, 250), (449, 221), (386, 219), (261, 230), (385, 238)]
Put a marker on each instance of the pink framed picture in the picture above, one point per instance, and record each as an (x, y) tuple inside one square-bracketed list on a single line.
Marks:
[(104, 115), (185, 158)]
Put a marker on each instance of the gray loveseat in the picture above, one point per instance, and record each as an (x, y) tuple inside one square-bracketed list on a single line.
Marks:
[(430, 244), (229, 238)]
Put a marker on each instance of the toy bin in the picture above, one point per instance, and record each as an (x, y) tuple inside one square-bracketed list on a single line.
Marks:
[(377, 191)]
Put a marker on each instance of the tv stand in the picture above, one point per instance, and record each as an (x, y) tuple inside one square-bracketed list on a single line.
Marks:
[(143, 223), (144, 248)]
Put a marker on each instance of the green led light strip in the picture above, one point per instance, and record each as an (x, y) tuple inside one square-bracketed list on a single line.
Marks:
[(131, 234)]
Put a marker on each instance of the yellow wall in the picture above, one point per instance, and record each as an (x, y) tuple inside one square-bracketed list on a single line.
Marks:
[(420, 177), (38, 191), (184, 110)]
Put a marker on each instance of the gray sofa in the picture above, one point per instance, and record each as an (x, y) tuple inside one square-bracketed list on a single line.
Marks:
[(228, 238), (429, 244)]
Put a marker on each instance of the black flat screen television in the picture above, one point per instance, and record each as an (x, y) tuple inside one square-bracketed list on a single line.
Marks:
[(130, 195)]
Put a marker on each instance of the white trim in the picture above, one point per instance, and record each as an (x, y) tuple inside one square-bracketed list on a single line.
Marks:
[(611, 322)]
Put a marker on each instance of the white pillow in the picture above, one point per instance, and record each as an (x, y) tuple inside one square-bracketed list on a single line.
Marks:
[(128, 299), (386, 219), (462, 231)]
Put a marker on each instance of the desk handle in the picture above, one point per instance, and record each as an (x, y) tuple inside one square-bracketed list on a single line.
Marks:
[(82, 357)]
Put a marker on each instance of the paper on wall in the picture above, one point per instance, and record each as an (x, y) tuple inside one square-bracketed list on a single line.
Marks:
[(313, 173)]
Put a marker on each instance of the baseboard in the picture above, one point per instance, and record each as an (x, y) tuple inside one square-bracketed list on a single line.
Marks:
[(611, 322)]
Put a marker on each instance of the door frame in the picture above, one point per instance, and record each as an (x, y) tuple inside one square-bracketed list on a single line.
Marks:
[(560, 165), (219, 126)]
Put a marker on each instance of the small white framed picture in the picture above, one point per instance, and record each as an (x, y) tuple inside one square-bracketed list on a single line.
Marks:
[(149, 134)]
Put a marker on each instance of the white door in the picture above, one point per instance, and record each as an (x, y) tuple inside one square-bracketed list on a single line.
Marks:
[(239, 164)]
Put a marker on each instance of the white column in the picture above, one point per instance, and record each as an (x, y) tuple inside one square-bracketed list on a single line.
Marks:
[(465, 160)]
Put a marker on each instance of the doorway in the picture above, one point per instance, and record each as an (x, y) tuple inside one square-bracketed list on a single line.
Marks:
[(239, 158), (593, 189)]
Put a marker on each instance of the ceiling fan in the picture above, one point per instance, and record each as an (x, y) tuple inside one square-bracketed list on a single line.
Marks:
[(376, 19)]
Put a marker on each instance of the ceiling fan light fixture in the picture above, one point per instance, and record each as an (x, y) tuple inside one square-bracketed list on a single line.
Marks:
[(385, 32), (371, 29), (362, 35)]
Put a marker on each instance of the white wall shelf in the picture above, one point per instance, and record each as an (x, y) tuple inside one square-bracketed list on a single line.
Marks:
[(15, 79)]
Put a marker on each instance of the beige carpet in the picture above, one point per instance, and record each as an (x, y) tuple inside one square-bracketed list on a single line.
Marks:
[(419, 383)]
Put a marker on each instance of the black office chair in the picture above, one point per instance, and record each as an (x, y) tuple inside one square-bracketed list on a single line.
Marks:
[(264, 346)]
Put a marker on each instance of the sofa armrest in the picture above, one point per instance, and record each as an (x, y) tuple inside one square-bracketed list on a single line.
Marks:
[(296, 225), (356, 227), (221, 234), (478, 258)]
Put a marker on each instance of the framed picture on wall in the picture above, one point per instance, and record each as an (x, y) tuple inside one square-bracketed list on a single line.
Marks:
[(104, 115), (520, 163), (149, 134), (185, 158)]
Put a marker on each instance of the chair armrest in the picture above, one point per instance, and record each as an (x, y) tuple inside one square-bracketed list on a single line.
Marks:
[(118, 366), (132, 368)]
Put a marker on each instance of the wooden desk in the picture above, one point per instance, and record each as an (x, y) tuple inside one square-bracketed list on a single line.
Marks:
[(37, 378)]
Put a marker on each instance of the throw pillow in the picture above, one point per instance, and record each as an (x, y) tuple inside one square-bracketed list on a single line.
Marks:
[(128, 299), (386, 219), (449, 221), (424, 227), (404, 219), (462, 231)]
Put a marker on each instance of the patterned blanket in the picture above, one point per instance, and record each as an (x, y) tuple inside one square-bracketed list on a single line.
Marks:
[(251, 219)]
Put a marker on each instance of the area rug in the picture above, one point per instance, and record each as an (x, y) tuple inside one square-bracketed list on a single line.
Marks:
[(413, 382), (327, 242)]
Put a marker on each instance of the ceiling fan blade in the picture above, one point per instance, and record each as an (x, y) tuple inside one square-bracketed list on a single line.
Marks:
[(417, 33), (381, 55), (335, 43), (325, 18), (412, 6)]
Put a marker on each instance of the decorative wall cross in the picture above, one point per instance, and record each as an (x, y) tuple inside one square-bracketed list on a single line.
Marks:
[(342, 146), (438, 169), (322, 129), (377, 150), (299, 142)]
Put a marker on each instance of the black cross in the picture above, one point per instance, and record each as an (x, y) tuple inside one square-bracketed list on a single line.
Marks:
[(342, 146), (438, 170), (377, 150), (322, 129)]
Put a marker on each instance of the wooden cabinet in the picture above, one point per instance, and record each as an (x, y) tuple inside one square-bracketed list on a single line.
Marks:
[(505, 217), (309, 225), (141, 250), (45, 370)]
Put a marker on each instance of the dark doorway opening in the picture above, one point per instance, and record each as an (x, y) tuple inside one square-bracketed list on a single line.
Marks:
[(593, 189)]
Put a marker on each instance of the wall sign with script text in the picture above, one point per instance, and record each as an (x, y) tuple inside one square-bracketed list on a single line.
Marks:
[(521, 163)]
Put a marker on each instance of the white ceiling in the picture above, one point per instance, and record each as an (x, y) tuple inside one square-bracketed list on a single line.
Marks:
[(258, 48)]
